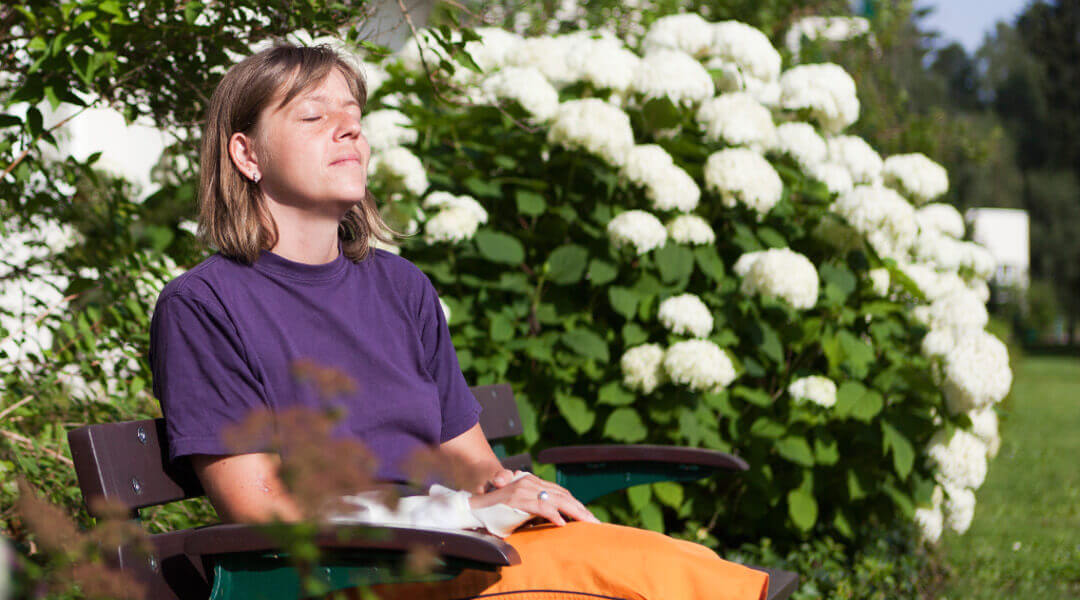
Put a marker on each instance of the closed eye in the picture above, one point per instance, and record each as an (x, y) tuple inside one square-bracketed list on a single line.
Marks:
[(310, 118)]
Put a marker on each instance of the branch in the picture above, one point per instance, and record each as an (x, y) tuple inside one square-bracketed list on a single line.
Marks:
[(33, 142), (6, 411), (27, 442)]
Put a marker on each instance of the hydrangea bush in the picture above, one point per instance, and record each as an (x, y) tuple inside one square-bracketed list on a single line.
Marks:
[(676, 242)]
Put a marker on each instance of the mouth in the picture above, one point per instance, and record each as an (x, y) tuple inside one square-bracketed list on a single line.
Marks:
[(345, 160)]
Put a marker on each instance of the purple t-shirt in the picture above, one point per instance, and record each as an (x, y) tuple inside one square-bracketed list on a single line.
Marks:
[(224, 335)]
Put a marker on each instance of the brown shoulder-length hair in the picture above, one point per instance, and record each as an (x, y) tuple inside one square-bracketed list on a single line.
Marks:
[(233, 218)]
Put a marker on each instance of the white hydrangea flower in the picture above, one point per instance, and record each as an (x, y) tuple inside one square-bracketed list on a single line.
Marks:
[(638, 228), (979, 260), (442, 200), (666, 185), (959, 508), (741, 175), (454, 224), (931, 523), (747, 50), (594, 126), (686, 314), (445, 309), (424, 42), (882, 215), (673, 74), (642, 367), (980, 288), (801, 142), (687, 32), (691, 229), (387, 128), (548, 55), (862, 161), (745, 261), (825, 91), (831, 29), (781, 273), (700, 365), (526, 86), (976, 372), (984, 425), (494, 48), (737, 119), (837, 178), (959, 460), (604, 63), (815, 388), (938, 342), (879, 281), (943, 252), (374, 76), (398, 165), (942, 218), (916, 175), (959, 311), (933, 284)]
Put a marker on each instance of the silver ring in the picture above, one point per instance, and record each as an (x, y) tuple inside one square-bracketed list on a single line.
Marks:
[(543, 495)]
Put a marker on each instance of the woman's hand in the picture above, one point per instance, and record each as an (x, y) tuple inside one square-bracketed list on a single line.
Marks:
[(524, 494)]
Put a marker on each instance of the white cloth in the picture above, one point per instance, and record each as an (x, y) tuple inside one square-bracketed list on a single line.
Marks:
[(442, 508)]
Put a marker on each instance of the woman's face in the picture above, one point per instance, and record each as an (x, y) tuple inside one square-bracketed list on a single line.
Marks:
[(312, 154)]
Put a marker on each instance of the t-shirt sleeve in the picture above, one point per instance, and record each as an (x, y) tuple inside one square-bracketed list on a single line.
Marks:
[(201, 375), (460, 409)]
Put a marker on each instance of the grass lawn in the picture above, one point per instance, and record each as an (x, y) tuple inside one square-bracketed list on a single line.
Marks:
[(1025, 539)]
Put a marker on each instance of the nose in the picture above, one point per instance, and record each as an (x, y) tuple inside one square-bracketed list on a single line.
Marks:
[(348, 125)]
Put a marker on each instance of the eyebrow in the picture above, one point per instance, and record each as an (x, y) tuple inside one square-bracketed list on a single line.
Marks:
[(327, 100)]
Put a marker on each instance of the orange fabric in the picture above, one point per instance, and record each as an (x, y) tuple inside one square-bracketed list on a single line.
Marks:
[(588, 561)]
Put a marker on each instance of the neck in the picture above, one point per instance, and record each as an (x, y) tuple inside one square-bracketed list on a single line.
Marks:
[(304, 237)]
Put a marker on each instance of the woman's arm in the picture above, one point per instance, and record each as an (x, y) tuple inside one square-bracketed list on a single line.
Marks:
[(245, 488), (491, 483)]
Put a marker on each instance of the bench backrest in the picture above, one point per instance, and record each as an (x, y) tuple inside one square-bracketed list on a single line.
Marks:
[(128, 463)]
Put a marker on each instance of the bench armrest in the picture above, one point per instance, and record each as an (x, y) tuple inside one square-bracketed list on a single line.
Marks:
[(589, 472), (642, 453), (240, 538)]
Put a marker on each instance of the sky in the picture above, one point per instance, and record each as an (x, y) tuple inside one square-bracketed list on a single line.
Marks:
[(967, 21)]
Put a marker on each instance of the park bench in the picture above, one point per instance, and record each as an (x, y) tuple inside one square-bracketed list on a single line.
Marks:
[(127, 464)]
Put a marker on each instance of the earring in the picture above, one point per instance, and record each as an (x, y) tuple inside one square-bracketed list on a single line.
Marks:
[(255, 178)]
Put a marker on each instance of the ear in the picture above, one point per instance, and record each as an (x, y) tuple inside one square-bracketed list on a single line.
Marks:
[(242, 153)]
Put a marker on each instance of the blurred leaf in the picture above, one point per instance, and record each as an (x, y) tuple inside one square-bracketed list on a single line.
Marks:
[(586, 343), (530, 203), (623, 301), (601, 272), (855, 400), (575, 411), (625, 425), (669, 493), (566, 264), (499, 247), (796, 450), (902, 451), (674, 262), (802, 507), (613, 393), (639, 496)]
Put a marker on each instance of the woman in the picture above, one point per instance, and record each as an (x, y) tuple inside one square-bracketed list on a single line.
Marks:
[(283, 197)]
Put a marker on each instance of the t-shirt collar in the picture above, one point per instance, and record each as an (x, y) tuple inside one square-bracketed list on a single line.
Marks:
[(275, 264)]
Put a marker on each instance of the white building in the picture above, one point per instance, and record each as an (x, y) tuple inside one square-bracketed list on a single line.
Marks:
[(1006, 233)]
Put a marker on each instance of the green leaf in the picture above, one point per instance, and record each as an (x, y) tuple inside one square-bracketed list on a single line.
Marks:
[(768, 342), (575, 411), (771, 238), (709, 262), (192, 10), (796, 450), (839, 282), (601, 272), (745, 239), (856, 488), (858, 355), (566, 264), (652, 518), (901, 499), (802, 507), (623, 300), (625, 425), (586, 343), (753, 396), (639, 496), (499, 247), (669, 493), (842, 525), (614, 394), (530, 203), (661, 113), (826, 451), (502, 328), (855, 400), (903, 452), (633, 334), (674, 262), (764, 427), (483, 187)]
